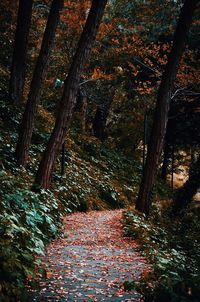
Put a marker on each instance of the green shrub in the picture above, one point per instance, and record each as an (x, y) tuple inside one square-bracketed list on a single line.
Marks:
[(28, 221), (172, 248)]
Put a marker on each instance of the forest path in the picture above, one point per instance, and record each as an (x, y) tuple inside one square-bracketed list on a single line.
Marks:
[(92, 262)]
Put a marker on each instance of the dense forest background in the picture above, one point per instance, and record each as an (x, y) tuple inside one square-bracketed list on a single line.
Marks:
[(88, 110)]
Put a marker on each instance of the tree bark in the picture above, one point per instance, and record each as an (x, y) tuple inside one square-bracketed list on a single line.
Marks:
[(162, 106), (17, 75), (28, 119), (100, 119), (99, 122), (68, 100), (166, 156), (84, 114), (185, 194)]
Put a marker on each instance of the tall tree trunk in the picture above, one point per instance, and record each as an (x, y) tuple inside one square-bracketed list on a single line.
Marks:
[(27, 124), (17, 76), (185, 194), (68, 101), (162, 106)]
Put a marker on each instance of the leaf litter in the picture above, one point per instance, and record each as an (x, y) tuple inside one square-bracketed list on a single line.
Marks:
[(91, 262)]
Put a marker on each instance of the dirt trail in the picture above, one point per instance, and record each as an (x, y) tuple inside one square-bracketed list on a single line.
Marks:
[(92, 262)]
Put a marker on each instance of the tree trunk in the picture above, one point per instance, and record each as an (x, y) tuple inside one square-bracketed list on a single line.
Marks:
[(84, 114), (162, 106), (63, 160), (194, 155), (100, 119), (166, 156), (99, 123), (81, 109), (68, 101), (17, 76), (27, 124), (185, 194)]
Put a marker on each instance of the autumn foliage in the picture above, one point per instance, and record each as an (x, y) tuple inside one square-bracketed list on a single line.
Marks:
[(102, 140)]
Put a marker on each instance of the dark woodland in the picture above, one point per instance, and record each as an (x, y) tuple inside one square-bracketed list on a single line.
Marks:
[(100, 150)]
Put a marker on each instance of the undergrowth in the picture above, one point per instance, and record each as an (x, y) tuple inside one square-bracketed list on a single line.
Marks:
[(96, 177), (28, 220), (173, 250)]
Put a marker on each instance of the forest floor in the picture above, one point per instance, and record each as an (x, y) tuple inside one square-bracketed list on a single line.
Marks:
[(92, 261)]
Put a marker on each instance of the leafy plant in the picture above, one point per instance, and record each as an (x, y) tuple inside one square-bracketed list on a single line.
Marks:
[(173, 251)]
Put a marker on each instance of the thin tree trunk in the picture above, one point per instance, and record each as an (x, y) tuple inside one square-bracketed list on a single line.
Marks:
[(194, 155), (172, 170), (68, 101), (165, 161), (99, 123), (63, 160), (162, 106), (144, 140), (185, 194), (28, 119), (100, 119), (17, 76), (84, 114)]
